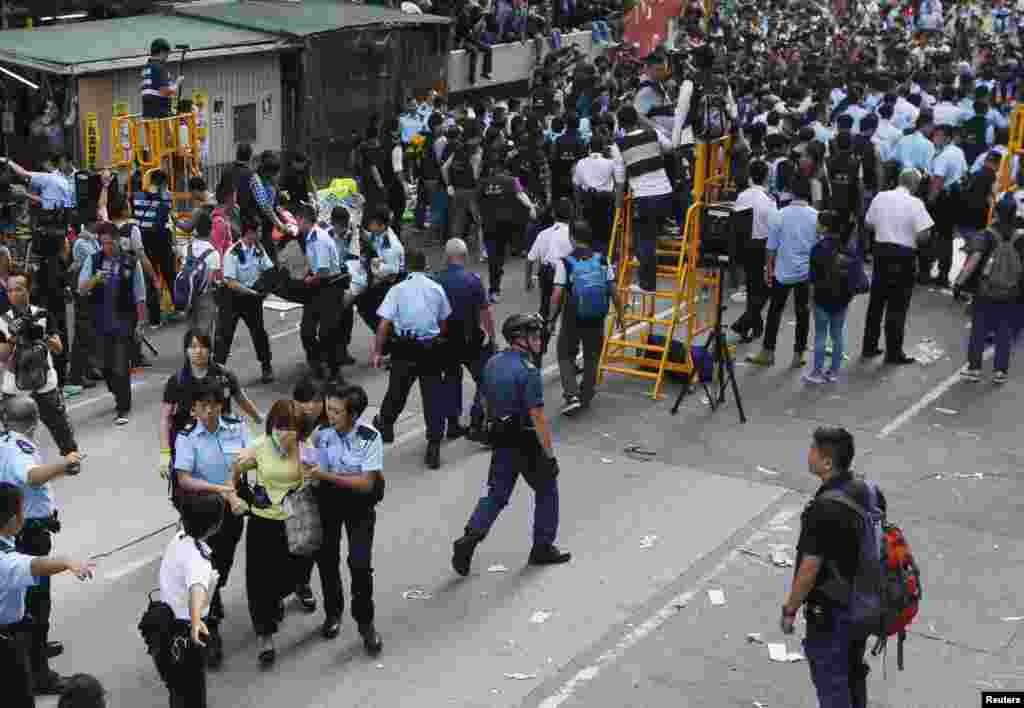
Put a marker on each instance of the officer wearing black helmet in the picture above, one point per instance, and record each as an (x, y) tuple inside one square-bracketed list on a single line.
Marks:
[(157, 88), (519, 432)]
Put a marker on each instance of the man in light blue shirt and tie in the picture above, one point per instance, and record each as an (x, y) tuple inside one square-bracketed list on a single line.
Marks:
[(792, 235), (413, 323), (321, 316)]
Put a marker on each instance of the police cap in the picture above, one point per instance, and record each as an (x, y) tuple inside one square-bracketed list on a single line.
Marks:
[(521, 325)]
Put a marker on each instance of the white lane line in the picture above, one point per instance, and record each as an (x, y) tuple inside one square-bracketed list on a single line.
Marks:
[(927, 399), (655, 621)]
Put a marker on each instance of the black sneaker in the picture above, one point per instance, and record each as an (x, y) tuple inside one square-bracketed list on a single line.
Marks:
[(371, 639), (306, 599), (331, 628), (54, 649), (433, 457), (387, 430), (455, 429), (478, 435), (548, 554), (462, 552), (267, 375)]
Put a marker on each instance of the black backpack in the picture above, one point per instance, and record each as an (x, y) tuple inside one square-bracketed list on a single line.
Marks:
[(868, 156), (709, 114), (831, 266), (844, 175)]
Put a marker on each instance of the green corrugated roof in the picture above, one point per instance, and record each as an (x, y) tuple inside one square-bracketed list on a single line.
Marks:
[(123, 38), (305, 18)]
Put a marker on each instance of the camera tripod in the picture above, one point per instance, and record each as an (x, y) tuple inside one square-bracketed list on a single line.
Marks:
[(716, 347)]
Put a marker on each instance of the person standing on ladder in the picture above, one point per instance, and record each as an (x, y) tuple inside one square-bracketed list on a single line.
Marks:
[(157, 89)]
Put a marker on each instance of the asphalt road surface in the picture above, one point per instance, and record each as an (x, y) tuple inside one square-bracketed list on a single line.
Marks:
[(629, 621)]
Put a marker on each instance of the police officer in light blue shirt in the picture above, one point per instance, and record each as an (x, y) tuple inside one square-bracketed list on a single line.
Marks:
[(20, 574), (22, 465), (204, 455), (52, 186), (916, 150), (948, 168), (413, 322), (350, 485), (321, 317), (244, 262)]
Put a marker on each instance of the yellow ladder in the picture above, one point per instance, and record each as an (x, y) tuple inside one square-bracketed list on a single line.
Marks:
[(1005, 180), (624, 351)]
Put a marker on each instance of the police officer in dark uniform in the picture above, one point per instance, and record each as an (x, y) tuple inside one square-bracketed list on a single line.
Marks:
[(470, 321), (505, 209), (21, 464), (519, 431), (413, 326), (567, 150), (350, 485)]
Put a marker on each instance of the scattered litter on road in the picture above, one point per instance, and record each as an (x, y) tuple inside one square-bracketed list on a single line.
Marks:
[(380, 666), (607, 460), (768, 471), (636, 451), (540, 617), (755, 638), (781, 559), (517, 676), (1013, 619), (970, 475), (417, 594), (749, 552), (937, 425), (717, 597), (926, 352), (759, 704), (946, 411), (497, 569), (648, 541), (778, 652), (679, 604)]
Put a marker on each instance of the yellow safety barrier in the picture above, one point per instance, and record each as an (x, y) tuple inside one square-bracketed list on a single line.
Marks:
[(624, 351)]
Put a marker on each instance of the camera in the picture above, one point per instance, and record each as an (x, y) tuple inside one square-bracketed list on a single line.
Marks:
[(31, 355), (29, 327)]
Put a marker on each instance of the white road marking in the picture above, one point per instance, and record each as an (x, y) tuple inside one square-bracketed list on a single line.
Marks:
[(927, 399), (655, 621)]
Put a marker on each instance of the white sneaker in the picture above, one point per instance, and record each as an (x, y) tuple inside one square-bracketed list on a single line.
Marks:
[(572, 405), (815, 377), (120, 420)]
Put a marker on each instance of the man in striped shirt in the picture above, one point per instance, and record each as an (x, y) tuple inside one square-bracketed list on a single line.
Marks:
[(151, 209), (157, 89), (641, 160)]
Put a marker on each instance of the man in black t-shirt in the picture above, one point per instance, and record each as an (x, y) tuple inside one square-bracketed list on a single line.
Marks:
[(828, 554)]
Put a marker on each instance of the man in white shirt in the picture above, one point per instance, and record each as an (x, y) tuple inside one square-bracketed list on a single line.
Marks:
[(900, 221), (551, 246), (202, 313), (594, 180), (946, 111), (750, 325)]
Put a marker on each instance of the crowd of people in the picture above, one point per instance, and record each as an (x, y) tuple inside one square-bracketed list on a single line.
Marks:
[(866, 135)]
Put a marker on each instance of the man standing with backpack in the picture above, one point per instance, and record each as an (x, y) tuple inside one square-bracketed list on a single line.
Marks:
[(844, 173), (584, 285), (828, 556)]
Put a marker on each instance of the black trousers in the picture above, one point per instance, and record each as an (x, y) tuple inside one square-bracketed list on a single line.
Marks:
[(779, 296), (473, 358), (338, 512), (473, 48), (157, 244), (754, 259), (233, 307), (320, 325), (497, 238), (891, 289), (58, 309), (599, 213), (223, 545), (54, 415), (270, 573), (18, 692), (940, 246), (406, 368), (186, 678), (396, 203), (115, 356), (546, 281), (35, 541), (369, 301), (85, 339)]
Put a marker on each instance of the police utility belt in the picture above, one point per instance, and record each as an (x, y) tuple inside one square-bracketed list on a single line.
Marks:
[(408, 347), (50, 524), (508, 430)]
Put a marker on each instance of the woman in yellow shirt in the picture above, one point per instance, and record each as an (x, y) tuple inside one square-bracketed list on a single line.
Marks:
[(274, 470)]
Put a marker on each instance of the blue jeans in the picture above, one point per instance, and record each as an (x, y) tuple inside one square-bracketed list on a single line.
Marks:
[(828, 324), (992, 317), (506, 464), (836, 661), (649, 216)]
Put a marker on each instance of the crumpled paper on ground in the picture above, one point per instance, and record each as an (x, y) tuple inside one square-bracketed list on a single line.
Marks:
[(927, 352)]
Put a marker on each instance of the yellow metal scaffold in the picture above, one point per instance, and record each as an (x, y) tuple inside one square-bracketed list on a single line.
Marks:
[(624, 351), (1005, 179)]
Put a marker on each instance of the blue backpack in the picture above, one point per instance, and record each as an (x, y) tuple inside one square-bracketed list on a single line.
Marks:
[(588, 280)]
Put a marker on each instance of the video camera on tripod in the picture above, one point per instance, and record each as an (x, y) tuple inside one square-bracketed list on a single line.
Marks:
[(724, 233)]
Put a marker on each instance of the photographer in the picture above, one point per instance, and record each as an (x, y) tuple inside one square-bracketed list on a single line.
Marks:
[(112, 283), (31, 333)]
